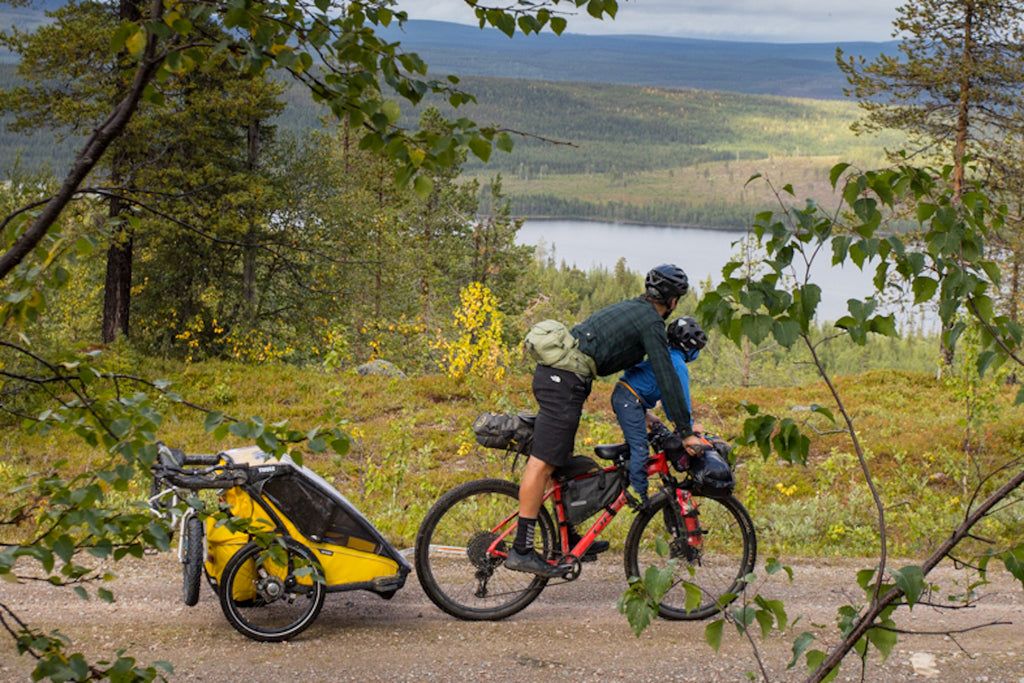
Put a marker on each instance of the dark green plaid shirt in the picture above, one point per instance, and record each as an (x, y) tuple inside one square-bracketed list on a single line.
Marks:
[(619, 336)]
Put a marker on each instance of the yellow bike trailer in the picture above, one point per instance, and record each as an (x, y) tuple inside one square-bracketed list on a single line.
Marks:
[(290, 538)]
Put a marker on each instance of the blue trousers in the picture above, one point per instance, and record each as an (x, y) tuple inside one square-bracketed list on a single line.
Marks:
[(630, 413)]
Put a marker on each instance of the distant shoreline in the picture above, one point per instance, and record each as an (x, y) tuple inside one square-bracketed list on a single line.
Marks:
[(648, 224)]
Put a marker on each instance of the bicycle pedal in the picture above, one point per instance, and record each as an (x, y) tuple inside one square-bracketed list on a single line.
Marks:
[(571, 573)]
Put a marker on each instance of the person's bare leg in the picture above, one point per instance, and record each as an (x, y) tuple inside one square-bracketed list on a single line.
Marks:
[(521, 556), (533, 485)]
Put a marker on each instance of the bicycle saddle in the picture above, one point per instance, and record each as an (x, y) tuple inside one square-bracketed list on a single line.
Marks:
[(611, 451)]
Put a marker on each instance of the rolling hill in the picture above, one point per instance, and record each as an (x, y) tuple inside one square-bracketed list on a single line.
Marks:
[(661, 129), (791, 70), (787, 69)]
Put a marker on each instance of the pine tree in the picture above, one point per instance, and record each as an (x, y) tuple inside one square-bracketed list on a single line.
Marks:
[(957, 92), (196, 144)]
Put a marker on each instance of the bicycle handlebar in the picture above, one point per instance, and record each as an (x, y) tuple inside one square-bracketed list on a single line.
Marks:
[(220, 479), (213, 471), (201, 459), (659, 438)]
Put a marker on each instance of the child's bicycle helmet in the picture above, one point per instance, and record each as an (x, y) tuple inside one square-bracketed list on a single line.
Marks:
[(686, 335)]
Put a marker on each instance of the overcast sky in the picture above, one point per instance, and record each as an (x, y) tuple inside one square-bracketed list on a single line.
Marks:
[(782, 21)]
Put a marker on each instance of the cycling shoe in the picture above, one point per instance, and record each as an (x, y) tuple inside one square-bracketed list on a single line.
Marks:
[(532, 563)]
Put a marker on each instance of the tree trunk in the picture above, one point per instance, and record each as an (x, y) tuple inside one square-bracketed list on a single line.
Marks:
[(117, 287), (249, 251), (963, 124), (1013, 306), (963, 121)]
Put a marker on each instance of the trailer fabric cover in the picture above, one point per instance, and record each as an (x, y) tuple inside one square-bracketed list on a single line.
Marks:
[(317, 515)]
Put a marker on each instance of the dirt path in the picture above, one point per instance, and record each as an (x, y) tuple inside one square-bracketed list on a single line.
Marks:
[(573, 632)]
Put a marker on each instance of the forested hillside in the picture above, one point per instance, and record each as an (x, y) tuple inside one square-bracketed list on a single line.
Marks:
[(616, 152), (792, 70), (660, 155), (633, 128), (630, 128), (32, 151)]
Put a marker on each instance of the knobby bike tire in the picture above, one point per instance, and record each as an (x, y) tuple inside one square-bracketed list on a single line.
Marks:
[(727, 554), (271, 595), (192, 560), (452, 563)]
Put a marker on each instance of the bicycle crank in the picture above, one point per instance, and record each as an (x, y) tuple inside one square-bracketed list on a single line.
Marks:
[(572, 567)]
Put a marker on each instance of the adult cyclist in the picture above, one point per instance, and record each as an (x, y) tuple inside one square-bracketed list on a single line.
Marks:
[(614, 338)]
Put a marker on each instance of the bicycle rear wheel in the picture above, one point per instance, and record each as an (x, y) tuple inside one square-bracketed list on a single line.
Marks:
[(725, 555), (452, 560), (272, 594), (192, 560)]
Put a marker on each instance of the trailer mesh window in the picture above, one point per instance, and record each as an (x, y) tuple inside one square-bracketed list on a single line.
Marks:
[(317, 515)]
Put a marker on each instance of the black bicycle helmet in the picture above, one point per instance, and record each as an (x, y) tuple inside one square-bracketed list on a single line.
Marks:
[(666, 282), (686, 335)]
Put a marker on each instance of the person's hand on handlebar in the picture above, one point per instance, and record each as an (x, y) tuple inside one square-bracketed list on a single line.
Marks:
[(694, 445)]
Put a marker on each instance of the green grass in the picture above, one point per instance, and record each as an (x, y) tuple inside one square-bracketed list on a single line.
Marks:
[(412, 441)]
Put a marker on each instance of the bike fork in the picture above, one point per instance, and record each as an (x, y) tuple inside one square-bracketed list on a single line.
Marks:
[(183, 533), (691, 519)]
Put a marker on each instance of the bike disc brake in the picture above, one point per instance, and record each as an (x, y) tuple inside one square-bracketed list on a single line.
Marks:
[(680, 547)]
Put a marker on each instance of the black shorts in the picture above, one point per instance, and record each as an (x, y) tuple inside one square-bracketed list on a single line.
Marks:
[(560, 397)]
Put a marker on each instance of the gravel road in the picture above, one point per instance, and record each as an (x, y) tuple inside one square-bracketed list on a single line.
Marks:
[(573, 632)]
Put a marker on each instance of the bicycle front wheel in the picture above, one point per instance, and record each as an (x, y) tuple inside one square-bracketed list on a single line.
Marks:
[(192, 559), (715, 565), (455, 562), (272, 594)]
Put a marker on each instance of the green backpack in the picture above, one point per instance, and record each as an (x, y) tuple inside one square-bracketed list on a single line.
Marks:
[(548, 342)]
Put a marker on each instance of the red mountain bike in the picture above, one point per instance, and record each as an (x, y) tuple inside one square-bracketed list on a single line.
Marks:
[(708, 541)]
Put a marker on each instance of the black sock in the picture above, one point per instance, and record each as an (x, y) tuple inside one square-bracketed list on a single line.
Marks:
[(524, 535)]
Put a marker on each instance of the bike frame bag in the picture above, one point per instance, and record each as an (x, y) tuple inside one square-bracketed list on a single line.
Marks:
[(586, 488)]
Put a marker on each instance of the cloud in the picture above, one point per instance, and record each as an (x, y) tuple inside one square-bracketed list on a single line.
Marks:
[(804, 21)]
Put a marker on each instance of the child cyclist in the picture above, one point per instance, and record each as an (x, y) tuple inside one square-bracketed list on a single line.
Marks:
[(636, 392)]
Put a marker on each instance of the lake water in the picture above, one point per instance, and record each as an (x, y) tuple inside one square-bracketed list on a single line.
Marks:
[(700, 252)]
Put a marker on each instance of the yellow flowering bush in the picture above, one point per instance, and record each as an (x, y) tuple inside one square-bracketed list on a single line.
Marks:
[(201, 338), (477, 350), (389, 338), (786, 490)]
